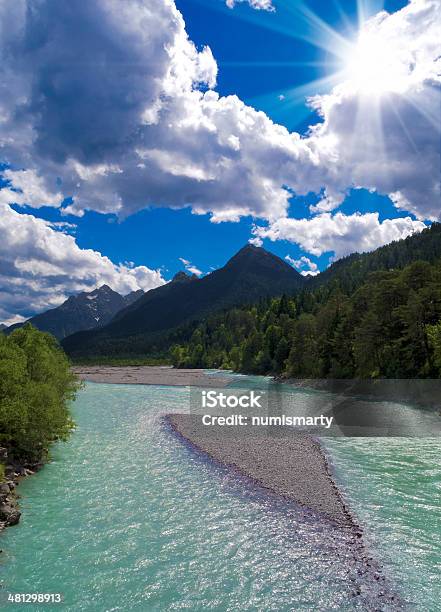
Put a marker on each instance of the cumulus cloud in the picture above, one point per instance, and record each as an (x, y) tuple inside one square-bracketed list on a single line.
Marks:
[(40, 267), (112, 104), (26, 187), (118, 110), (304, 265), (342, 234)]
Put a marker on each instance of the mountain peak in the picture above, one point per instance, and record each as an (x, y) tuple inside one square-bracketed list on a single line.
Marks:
[(249, 248), (256, 258), (183, 277), (251, 275)]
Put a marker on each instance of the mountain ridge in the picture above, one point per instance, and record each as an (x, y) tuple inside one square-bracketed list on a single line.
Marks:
[(251, 274), (85, 310)]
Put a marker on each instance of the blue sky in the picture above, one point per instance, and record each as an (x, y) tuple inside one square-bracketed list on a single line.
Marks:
[(77, 173)]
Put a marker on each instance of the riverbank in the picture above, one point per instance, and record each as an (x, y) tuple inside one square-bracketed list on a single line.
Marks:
[(149, 375), (13, 472), (423, 393)]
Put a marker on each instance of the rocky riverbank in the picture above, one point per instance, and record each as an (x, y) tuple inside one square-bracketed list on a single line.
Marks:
[(13, 473)]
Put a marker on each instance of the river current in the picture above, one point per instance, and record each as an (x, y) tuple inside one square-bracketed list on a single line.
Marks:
[(126, 517)]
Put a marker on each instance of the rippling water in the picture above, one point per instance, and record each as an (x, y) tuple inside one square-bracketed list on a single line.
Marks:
[(394, 484), (128, 518)]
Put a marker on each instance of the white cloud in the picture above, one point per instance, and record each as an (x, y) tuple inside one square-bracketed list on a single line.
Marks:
[(116, 108), (40, 267), (26, 187), (304, 265), (135, 129), (381, 126), (265, 5), (12, 320), (342, 234), (256, 240), (63, 226), (190, 267)]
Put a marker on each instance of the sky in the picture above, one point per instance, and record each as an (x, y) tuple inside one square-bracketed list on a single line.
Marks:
[(140, 139)]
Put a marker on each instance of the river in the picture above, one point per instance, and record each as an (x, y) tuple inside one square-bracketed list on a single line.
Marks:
[(126, 517)]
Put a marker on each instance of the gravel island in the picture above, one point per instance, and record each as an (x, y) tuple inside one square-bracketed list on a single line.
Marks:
[(292, 465)]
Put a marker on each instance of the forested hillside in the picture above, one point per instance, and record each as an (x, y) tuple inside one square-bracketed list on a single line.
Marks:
[(351, 271), (389, 326), (372, 314)]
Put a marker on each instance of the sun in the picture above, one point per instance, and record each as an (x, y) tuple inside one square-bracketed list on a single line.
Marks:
[(374, 65)]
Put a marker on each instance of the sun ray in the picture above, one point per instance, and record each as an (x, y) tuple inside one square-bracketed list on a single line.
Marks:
[(300, 93), (400, 120), (348, 24), (275, 64), (286, 20), (367, 8), (425, 109), (291, 104), (321, 33)]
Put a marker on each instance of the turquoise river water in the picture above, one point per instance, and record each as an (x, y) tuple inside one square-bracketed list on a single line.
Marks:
[(126, 517)]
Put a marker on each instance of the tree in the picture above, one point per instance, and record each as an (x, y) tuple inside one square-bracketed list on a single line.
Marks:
[(36, 387), (303, 357)]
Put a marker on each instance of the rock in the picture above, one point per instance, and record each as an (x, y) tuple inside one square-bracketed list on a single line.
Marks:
[(14, 517), (9, 514), (4, 489)]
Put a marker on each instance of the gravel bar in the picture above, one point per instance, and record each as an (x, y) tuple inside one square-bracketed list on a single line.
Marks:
[(150, 375), (290, 464)]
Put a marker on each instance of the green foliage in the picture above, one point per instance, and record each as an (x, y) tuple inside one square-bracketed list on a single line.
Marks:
[(387, 326), (350, 272), (434, 339), (36, 385)]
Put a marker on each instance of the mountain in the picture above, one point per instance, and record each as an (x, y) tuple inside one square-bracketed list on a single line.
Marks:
[(375, 315), (86, 310), (250, 275), (3, 326)]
